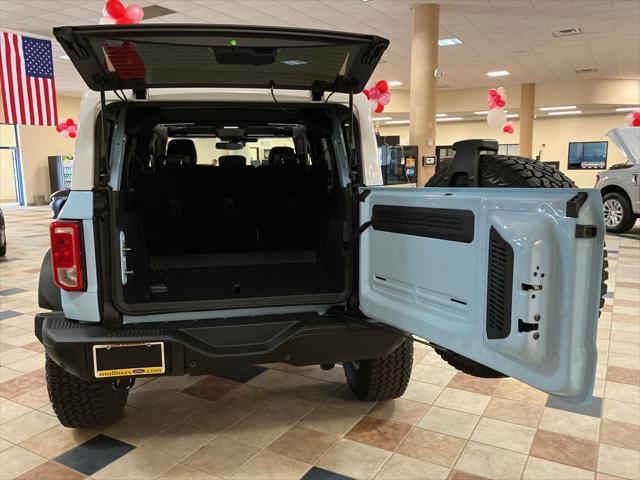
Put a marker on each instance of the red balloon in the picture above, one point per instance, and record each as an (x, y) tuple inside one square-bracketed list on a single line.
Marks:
[(73, 134), (69, 121), (493, 92), (58, 129), (124, 20), (379, 108), (382, 86), (115, 8), (366, 92), (636, 122), (501, 103), (636, 114)]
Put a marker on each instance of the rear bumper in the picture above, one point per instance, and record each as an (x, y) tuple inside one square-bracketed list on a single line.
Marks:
[(204, 346)]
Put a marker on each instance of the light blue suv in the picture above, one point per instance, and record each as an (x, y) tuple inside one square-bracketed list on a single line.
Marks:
[(228, 208)]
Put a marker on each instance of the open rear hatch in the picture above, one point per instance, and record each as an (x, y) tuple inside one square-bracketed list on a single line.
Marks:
[(145, 56)]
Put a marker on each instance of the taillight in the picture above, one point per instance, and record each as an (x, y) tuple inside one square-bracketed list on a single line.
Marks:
[(66, 255)]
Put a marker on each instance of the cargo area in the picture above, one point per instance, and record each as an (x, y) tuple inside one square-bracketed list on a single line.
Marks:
[(219, 212)]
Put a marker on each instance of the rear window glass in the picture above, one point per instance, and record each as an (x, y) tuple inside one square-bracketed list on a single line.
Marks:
[(285, 67), (255, 153)]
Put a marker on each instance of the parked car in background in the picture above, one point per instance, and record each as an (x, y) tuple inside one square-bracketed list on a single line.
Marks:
[(619, 184), (57, 201), (3, 236)]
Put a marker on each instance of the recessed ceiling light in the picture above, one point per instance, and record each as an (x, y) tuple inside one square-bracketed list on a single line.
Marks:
[(64, 57), (449, 119), (627, 109), (445, 42), (397, 122), (441, 114), (512, 115), (294, 62), (394, 83), (550, 109), (498, 73), (381, 119), (567, 32), (568, 112), (485, 112)]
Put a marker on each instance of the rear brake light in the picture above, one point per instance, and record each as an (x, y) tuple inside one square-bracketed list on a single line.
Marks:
[(66, 255)]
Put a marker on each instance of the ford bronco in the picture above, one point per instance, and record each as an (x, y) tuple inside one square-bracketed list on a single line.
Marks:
[(227, 208)]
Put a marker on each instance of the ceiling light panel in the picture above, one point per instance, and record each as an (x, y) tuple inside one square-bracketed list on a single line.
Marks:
[(564, 107), (498, 73), (567, 112)]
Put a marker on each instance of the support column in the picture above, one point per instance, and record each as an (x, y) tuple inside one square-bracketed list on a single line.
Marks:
[(423, 93), (527, 102)]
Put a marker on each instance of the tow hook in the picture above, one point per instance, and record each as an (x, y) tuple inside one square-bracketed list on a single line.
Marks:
[(327, 366), (122, 384)]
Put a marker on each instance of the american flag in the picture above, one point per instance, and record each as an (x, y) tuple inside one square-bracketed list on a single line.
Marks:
[(28, 87)]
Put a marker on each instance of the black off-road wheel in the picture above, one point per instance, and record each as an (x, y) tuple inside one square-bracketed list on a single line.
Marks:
[(505, 171), (381, 378), (80, 403)]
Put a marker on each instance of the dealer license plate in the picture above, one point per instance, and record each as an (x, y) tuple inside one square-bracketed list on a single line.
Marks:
[(128, 359)]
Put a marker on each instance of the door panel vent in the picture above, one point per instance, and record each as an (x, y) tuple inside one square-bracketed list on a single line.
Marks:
[(442, 223), (499, 286)]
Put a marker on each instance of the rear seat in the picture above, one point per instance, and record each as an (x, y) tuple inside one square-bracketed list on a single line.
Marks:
[(291, 203), (232, 207)]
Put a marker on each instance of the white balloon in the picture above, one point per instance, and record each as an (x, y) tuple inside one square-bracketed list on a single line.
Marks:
[(501, 91), (373, 104), (65, 133), (497, 117), (107, 20), (104, 11)]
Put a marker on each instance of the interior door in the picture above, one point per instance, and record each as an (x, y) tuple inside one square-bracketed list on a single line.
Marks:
[(510, 278)]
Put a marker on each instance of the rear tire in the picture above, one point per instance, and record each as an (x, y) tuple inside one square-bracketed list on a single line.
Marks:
[(80, 403), (618, 214), (381, 378), (505, 171)]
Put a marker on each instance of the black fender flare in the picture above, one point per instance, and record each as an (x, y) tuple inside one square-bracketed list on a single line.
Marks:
[(48, 292)]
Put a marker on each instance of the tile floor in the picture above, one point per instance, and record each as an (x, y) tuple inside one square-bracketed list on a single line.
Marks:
[(282, 422)]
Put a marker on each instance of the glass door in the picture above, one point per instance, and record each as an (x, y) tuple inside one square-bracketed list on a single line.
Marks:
[(11, 182)]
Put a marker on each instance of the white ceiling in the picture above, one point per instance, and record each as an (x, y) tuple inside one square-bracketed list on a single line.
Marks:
[(513, 35)]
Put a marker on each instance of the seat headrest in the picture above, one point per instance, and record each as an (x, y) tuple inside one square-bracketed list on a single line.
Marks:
[(183, 146), (232, 161), (176, 160), (282, 156)]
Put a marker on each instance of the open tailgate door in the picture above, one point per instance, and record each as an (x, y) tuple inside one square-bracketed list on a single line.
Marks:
[(510, 278)]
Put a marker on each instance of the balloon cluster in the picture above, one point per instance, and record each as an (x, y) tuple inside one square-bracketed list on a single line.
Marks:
[(633, 119), (115, 12), (497, 117), (68, 128), (378, 94)]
